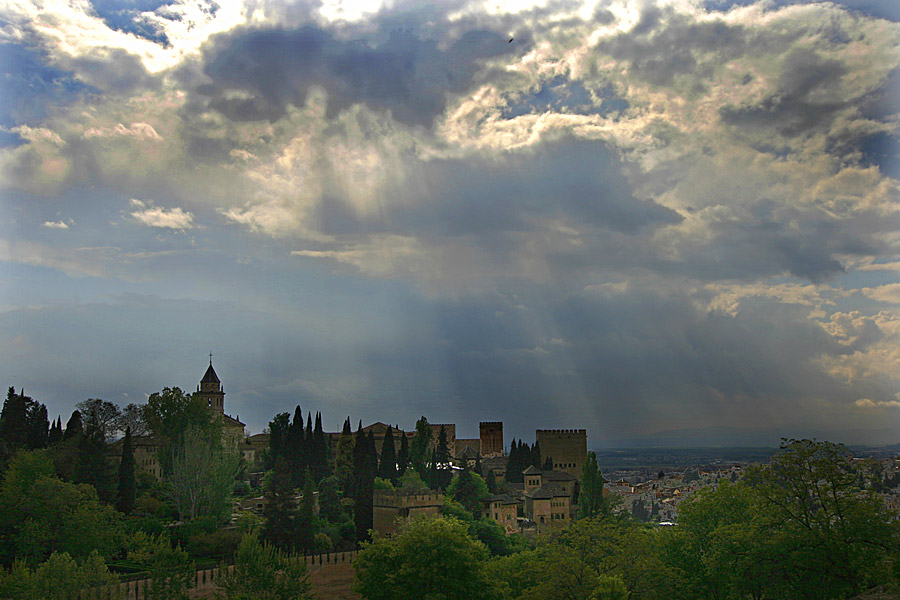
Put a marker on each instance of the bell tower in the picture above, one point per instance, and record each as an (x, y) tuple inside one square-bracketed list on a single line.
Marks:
[(210, 390)]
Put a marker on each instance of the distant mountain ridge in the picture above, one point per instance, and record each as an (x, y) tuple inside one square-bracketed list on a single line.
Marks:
[(745, 436)]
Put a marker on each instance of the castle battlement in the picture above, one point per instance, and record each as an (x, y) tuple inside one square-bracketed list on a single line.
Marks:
[(567, 431)]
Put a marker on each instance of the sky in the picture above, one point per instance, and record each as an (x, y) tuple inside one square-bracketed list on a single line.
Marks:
[(627, 216)]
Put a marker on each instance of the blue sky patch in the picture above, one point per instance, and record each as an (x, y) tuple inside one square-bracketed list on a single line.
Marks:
[(125, 17), (30, 87), (565, 96)]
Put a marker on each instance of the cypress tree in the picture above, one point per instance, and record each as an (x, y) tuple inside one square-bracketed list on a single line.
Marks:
[(126, 491), (514, 466), (590, 500), (491, 481), (343, 461), (38, 426), (56, 432), (403, 455), (281, 527), (14, 418), (364, 476), (279, 434), (295, 448), (418, 450), (74, 426), (441, 460), (548, 464), (372, 453), (306, 517), (536, 455), (321, 451), (388, 467)]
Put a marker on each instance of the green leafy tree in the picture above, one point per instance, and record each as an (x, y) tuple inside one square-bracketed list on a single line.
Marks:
[(263, 572), (126, 489), (104, 416), (39, 514), (577, 561), (590, 500), (201, 477), (429, 559), (171, 571), (470, 490), (132, 417), (419, 449), (170, 414), (60, 577), (91, 466), (825, 531)]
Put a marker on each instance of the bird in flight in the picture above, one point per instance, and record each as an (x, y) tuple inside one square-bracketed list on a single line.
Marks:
[(510, 41)]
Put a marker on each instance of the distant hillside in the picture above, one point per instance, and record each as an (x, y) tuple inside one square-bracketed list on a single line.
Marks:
[(738, 436)]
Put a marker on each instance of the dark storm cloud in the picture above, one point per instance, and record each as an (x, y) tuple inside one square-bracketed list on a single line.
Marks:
[(256, 75), (580, 181), (664, 44), (114, 70), (803, 101)]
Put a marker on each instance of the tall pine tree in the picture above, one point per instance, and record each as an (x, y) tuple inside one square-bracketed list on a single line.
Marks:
[(126, 490)]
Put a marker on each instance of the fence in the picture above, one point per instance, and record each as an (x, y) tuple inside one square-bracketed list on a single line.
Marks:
[(331, 575)]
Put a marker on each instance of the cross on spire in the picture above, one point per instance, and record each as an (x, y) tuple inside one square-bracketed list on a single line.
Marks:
[(210, 358)]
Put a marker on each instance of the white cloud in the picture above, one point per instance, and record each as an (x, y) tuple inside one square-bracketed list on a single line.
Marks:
[(173, 218), (869, 403), (56, 224), (889, 293)]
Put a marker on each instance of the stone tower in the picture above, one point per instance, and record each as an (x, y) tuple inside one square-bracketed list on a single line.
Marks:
[(567, 448), (491, 433), (210, 390)]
